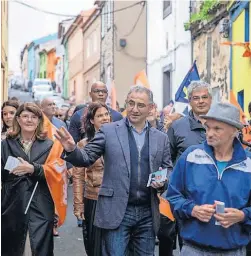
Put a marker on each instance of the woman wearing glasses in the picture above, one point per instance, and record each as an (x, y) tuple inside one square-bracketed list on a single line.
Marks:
[(26, 230), (87, 181)]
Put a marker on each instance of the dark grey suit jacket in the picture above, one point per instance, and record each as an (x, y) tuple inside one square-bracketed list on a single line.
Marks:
[(112, 142)]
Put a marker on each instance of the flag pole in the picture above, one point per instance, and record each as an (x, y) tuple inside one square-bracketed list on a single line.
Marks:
[(26, 210)]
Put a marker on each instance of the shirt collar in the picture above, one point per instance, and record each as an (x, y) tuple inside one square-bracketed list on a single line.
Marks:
[(133, 127)]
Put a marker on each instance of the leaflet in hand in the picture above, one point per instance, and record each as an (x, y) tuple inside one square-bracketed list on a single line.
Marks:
[(12, 163), (220, 208), (159, 176)]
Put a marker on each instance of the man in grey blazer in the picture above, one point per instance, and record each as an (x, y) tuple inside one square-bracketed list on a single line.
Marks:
[(127, 210)]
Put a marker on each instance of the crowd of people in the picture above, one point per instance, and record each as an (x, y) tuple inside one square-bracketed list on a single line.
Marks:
[(109, 156)]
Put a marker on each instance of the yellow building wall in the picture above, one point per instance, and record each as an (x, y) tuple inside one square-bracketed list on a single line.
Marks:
[(241, 66), (4, 50)]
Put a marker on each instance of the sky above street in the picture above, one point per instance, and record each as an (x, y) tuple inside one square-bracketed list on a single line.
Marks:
[(26, 24)]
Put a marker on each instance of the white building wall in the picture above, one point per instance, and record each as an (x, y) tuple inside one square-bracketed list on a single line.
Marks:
[(59, 74), (176, 54)]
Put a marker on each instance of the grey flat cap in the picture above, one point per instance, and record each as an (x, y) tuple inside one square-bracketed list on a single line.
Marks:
[(226, 113)]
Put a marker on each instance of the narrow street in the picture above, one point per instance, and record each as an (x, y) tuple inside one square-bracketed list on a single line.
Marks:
[(70, 240), (21, 95)]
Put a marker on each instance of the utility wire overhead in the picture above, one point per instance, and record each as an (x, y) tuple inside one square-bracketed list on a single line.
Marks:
[(70, 15), (44, 11), (135, 24)]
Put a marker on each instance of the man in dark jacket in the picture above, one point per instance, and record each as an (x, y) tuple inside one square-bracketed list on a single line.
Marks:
[(99, 93), (188, 131)]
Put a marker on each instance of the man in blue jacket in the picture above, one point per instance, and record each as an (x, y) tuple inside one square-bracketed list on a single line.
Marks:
[(99, 93), (217, 170)]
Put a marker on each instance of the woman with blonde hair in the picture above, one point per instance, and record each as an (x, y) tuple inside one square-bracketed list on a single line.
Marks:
[(27, 226)]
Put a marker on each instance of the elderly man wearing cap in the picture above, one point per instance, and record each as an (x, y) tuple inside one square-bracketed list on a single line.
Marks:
[(217, 170)]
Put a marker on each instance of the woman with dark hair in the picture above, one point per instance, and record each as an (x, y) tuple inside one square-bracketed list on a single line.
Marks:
[(8, 112), (68, 115), (87, 181), (27, 226)]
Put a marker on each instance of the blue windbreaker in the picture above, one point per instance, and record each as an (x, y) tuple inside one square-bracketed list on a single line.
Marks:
[(197, 181)]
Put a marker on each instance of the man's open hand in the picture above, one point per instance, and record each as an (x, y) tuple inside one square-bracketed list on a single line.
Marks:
[(65, 139)]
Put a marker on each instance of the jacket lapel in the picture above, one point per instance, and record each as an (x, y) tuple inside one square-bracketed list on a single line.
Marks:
[(38, 149), (122, 134), (152, 147), (16, 149)]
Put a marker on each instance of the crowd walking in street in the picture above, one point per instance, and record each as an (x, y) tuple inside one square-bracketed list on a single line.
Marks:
[(122, 165)]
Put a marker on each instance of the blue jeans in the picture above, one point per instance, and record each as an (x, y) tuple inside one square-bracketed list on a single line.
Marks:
[(136, 228)]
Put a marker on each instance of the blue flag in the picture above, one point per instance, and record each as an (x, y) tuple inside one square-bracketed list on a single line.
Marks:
[(192, 75), (185, 111)]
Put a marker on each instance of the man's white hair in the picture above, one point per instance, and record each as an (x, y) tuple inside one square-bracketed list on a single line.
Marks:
[(194, 85)]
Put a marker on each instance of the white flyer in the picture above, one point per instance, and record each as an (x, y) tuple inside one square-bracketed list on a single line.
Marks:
[(12, 163)]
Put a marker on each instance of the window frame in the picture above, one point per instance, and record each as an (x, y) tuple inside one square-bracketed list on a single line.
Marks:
[(109, 16), (103, 22), (88, 50)]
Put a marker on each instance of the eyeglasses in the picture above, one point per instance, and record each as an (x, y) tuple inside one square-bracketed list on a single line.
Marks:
[(198, 98), (132, 104), (27, 117), (97, 91)]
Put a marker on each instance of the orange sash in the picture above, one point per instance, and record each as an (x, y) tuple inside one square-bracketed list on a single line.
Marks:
[(55, 171)]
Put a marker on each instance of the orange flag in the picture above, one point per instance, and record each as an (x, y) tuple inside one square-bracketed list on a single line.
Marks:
[(124, 113), (141, 79), (113, 96), (246, 46), (56, 173), (246, 131), (165, 209)]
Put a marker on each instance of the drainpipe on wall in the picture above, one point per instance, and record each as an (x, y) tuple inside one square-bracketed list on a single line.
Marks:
[(175, 34), (146, 3), (190, 14)]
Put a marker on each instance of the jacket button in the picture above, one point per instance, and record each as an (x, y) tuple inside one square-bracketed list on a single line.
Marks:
[(127, 192)]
